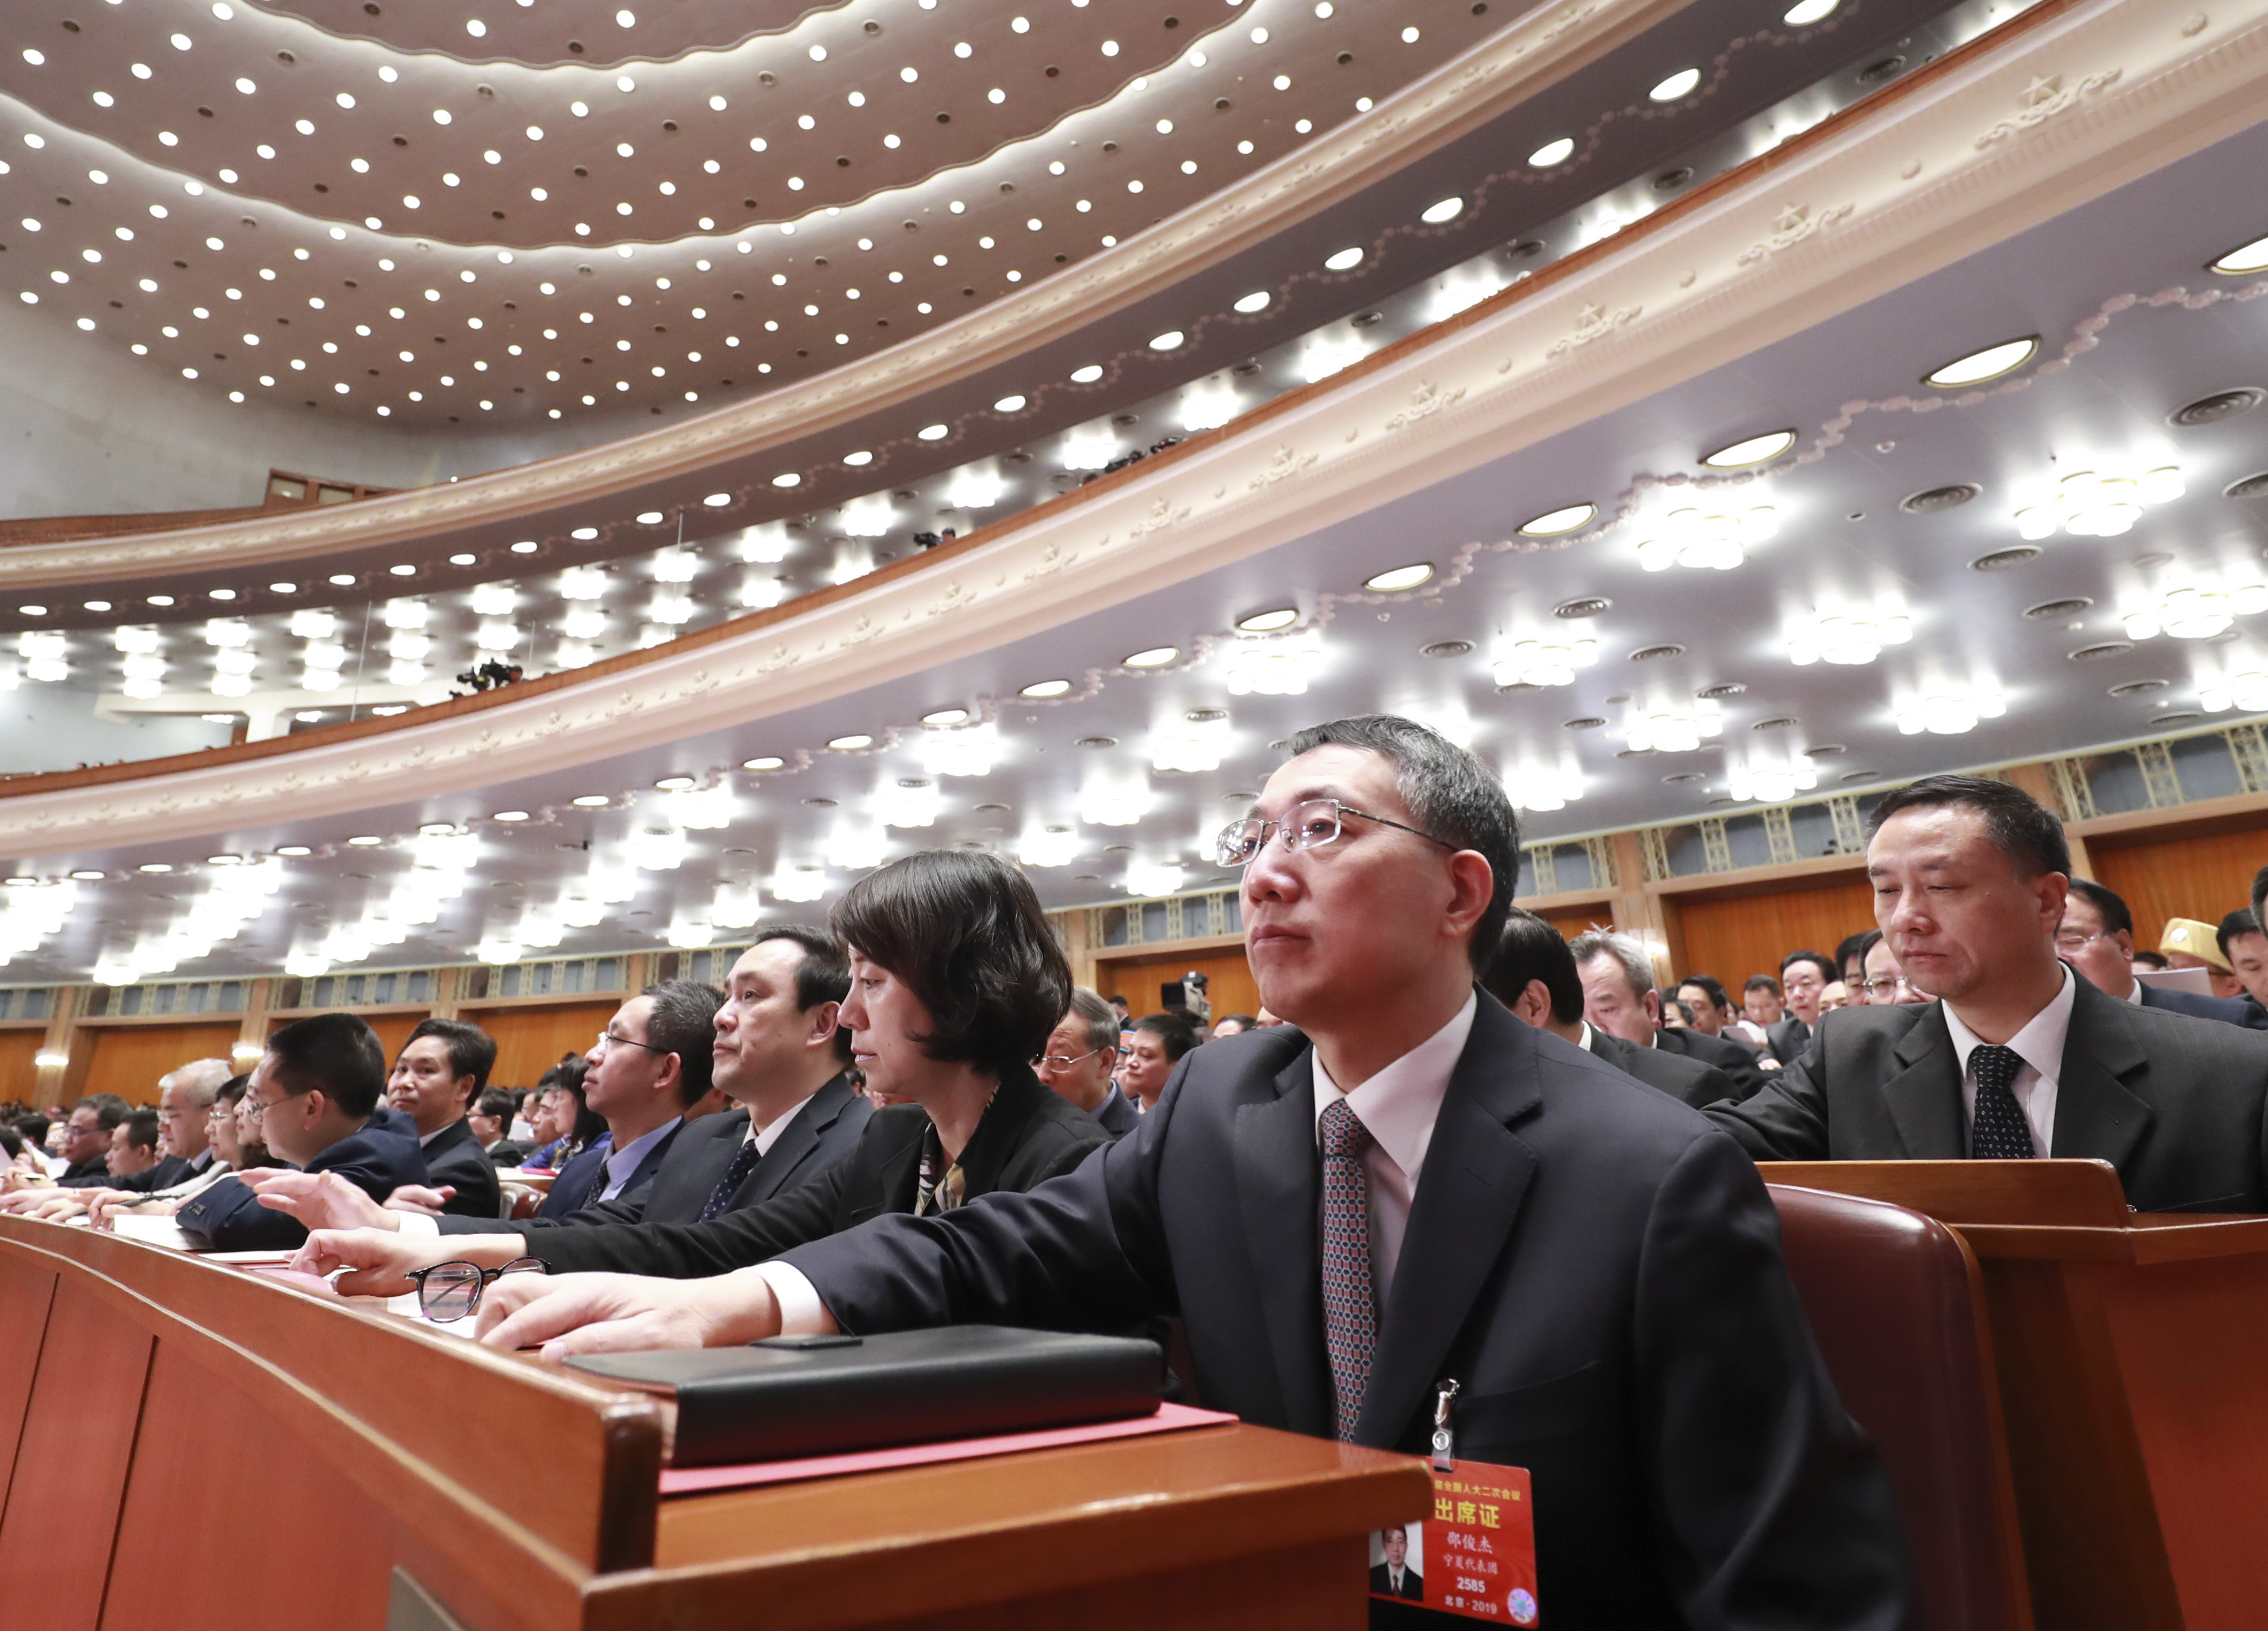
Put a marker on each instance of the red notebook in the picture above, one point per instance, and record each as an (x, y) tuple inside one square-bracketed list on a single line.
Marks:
[(699, 1480)]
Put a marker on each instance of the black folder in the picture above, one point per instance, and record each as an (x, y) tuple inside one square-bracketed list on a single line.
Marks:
[(812, 1396)]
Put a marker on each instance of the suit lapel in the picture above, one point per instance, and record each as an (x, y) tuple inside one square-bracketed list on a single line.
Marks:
[(2096, 1114), (796, 1142), (1280, 1195), (1923, 1096), (1477, 1173)]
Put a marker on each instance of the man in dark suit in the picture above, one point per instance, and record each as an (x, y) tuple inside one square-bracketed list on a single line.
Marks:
[(436, 1076), (1532, 974), (1395, 1577), (185, 1099), (2016, 1056), (314, 1095), (1804, 978), (2096, 938), (490, 1120), (1596, 1266), (1619, 997), (86, 1140), (1078, 1060), (2246, 948)]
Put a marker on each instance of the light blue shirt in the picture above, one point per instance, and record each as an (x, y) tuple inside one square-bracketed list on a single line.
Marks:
[(624, 1161)]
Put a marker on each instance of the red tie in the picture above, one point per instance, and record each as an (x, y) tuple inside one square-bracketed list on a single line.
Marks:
[(1350, 1317)]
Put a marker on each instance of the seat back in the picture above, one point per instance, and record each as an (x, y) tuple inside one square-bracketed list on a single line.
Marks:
[(517, 1202), (1896, 1302)]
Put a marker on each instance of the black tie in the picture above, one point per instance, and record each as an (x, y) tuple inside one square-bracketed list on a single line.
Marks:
[(1998, 1131), (744, 1162)]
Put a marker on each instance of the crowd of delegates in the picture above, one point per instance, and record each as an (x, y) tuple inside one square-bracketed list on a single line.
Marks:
[(912, 1117)]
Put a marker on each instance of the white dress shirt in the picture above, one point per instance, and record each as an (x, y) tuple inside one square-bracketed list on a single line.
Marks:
[(771, 1135), (2040, 1045), (1398, 1106)]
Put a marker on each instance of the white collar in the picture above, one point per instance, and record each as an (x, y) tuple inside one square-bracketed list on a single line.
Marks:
[(771, 1135), (2039, 1044), (1398, 1105)]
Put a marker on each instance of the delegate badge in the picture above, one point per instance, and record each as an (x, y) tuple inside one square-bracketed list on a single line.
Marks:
[(1476, 1556)]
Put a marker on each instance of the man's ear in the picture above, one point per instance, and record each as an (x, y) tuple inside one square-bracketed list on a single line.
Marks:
[(1474, 883), (826, 1020), (1533, 1006)]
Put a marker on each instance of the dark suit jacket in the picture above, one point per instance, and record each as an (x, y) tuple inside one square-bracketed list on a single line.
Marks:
[(504, 1153), (582, 1180), (1736, 1061), (2233, 1010), (1413, 1584), (1027, 1135), (2179, 1106), (86, 1174), (1119, 1115), (1687, 1080), (378, 1159), (1596, 1266), (455, 1158), (170, 1171), (1788, 1040), (824, 1131)]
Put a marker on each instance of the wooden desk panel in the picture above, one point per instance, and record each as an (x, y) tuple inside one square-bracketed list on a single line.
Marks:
[(26, 1292)]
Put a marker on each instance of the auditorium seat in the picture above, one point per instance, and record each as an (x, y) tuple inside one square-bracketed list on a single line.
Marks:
[(1896, 1301)]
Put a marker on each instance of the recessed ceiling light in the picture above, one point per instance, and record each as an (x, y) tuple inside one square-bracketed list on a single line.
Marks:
[(1807, 11), (650, 518), (1344, 261), (864, 456), (463, 560), (339, 579), (308, 716), (675, 784), (1256, 301), (404, 570), (1677, 86), (1172, 340), (1989, 364), (935, 433), (438, 830), (2244, 261), (32, 611), (167, 600), (1553, 152), (1044, 689), (219, 719), (1269, 622), (526, 546), (283, 588), (366, 841), (217, 594), (1009, 404), (388, 710), (1087, 375), (593, 801), (945, 716), (787, 478), (1754, 450), (1401, 578), (1447, 209), (295, 851), (97, 605), (1155, 657), (1551, 523), (23, 881), (500, 815), (763, 762), (88, 877), (851, 742)]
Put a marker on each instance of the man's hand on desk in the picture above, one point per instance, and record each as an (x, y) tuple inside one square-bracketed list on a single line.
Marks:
[(380, 1262), (318, 1199), (418, 1199), (625, 1313), (54, 1206)]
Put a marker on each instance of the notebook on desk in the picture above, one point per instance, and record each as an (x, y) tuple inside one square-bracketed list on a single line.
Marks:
[(795, 1395)]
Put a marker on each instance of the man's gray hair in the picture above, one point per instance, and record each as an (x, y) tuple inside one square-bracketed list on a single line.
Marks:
[(1450, 795), (1097, 1020), (200, 1078), (1627, 949)]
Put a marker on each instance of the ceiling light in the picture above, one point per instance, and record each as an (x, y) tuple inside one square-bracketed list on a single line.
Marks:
[(799, 883), (526, 546), (650, 518), (1712, 538), (968, 750), (1552, 153), (675, 784), (1846, 637), (851, 744), (509, 816), (1400, 578), (2099, 504), (1548, 661), (1048, 847), (1277, 667), (87, 876), (2239, 262), (1677, 86), (591, 801), (2193, 611), (1086, 375), (1448, 209), (1153, 878), (1532, 786), (1171, 340), (764, 761), (945, 716), (1041, 690), (403, 571), (1154, 657), (295, 851), (935, 433), (1677, 728), (1768, 780), (339, 579), (715, 501), (1256, 301), (1268, 622), (1948, 710), (1808, 11), (1345, 260), (1554, 522), (1009, 404), (366, 840), (1754, 450), (1989, 364)]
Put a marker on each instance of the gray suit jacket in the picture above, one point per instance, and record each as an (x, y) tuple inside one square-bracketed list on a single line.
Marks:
[(2178, 1105)]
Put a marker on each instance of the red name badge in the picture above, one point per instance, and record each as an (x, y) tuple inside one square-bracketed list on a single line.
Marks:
[(1476, 1556)]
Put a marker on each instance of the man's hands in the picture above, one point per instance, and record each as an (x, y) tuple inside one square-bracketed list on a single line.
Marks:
[(625, 1313), (418, 1199), (380, 1262), (318, 1199)]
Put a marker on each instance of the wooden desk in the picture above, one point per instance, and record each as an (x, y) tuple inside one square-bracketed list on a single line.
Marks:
[(2133, 1361), (189, 1445)]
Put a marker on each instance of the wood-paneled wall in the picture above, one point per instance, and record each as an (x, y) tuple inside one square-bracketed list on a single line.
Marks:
[(1230, 986), (2202, 876), (529, 1041), (1733, 938), (19, 1071), (1571, 921), (128, 1059)]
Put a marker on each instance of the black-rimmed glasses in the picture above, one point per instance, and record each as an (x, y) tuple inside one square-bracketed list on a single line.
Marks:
[(449, 1291), (1308, 824)]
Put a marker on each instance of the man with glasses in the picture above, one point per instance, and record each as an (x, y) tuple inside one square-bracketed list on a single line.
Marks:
[(1402, 1188), (1081, 1054), (651, 1062), (314, 1097), (2096, 937)]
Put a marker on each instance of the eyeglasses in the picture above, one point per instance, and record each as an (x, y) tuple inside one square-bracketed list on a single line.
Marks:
[(1883, 987), (1306, 826), (449, 1291), (607, 1040), (1057, 1061), (2076, 943)]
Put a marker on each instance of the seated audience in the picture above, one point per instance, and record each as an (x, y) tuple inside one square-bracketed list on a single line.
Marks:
[(490, 1119), (439, 1071), (955, 982), (185, 1101), (1532, 974), (1888, 984), (2246, 948), (315, 1096), (1153, 1047), (1119, 1005), (2017, 1056), (1804, 976), (1763, 1005), (2096, 937), (134, 1145), (565, 1126), (1079, 1059), (1833, 995), (1234, 1025), (1713, 1012), (1619, 997), (86, 1139), (779, 1056), (222, 1146), (2187, 943), (1851, 961), (1602, 1267)]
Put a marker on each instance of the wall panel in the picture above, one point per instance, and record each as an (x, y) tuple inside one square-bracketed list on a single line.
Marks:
[(1571, 921), (20, 1069), (530, 1040), (1733, 938), (1230, 985), (128, 1059), (2201, 876)]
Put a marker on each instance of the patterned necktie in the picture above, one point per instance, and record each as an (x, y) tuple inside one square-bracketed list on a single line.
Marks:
[(1350, 1317), (1999, 1132), (597, 1189), (744, 1162)]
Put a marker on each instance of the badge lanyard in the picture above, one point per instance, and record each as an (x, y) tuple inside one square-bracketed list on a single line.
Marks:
[(1474, 1557)]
